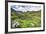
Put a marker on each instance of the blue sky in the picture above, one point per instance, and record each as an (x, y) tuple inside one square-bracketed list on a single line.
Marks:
[(25, 8)]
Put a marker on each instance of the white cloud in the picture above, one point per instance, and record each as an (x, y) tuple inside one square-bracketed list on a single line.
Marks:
[(26, 8)]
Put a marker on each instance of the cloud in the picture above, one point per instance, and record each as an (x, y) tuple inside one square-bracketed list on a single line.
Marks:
[(25, 8)]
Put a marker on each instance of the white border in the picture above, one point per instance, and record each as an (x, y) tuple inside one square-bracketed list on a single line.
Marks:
[(23, 29)]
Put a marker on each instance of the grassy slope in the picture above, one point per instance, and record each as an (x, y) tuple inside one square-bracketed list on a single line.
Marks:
[(27, 19)]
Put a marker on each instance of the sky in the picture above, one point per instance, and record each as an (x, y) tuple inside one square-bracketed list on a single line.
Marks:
[(25, 8)]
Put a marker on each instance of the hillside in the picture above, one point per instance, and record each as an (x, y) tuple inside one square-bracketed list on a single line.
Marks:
[(26, 19)]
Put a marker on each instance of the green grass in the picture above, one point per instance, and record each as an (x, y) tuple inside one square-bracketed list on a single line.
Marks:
[(27, 19)]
